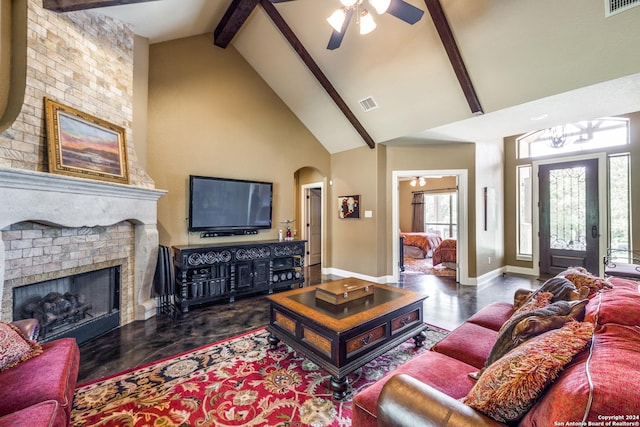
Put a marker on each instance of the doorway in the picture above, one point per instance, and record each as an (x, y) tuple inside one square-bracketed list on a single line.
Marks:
[(313, 222), (462, 275), (569, 216)]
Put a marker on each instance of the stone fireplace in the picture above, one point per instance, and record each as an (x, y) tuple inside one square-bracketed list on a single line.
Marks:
[(55, 226)]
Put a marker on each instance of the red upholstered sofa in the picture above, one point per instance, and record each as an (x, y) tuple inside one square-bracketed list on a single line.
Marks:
[(599, 385), (39, 391)]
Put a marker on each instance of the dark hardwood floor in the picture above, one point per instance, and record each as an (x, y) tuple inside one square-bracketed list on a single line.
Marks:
[(141, 342)]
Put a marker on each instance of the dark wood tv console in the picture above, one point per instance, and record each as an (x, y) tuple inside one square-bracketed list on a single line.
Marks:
[(208, 273)]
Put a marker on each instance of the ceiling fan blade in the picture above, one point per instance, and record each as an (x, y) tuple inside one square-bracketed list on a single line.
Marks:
[(280, 1), (335, 40), (336, 37), (405, 11)]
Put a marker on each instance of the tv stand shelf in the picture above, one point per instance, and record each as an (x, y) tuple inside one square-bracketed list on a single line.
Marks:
[(208, 273)]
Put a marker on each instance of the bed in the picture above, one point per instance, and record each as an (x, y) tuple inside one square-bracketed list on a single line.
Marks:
[(445, 254), (419, 245)]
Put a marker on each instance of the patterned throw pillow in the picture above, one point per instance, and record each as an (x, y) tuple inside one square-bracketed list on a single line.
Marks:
[(594, 283), (509, 387), (14, 347), (518, 329)]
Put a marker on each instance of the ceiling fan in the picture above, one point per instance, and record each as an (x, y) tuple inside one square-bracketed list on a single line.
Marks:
[(341, 18)]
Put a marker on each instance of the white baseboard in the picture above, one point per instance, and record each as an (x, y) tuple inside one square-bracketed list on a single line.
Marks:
[(345, 273), (522, 270), (486, 278), (481, 281)]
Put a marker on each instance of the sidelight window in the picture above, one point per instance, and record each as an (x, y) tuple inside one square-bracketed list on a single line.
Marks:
[(524, 235), (619, 205)]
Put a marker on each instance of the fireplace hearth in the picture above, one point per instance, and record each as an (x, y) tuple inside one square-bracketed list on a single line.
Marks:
[(82, 306)]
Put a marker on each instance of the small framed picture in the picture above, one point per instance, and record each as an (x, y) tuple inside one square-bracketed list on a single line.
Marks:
[(349, 206)]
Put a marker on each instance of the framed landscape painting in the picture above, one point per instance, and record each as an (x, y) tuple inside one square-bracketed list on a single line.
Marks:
[(85, 146)]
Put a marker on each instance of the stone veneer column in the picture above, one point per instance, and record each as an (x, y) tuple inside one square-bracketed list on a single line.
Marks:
[(146, 246)]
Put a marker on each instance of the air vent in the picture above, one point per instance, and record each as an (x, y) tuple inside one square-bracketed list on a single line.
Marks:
[(612, 7), (369, 103)]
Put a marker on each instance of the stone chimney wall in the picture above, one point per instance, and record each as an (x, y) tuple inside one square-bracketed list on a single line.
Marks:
[(85, 61), (80, 59)]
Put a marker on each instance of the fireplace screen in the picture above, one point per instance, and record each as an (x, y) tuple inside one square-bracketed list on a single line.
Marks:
[(82, 306)]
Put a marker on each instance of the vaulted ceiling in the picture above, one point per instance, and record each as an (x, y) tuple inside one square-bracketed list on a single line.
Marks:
[(529, 64)]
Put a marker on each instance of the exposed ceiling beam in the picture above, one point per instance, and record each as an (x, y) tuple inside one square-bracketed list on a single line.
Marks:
[(451, 47), (71, 5), (295, 43), (233, 19)]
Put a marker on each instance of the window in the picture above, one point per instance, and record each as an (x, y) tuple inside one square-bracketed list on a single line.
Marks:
[(441, 214), (619, 202), (574, 137), (524, 235)]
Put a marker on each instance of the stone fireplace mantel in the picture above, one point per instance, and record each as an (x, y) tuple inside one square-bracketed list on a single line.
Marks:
[(58, 200)]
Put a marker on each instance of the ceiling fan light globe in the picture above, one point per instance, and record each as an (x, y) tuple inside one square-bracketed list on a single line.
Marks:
[(381, 6), (367, 24), (336, 20)]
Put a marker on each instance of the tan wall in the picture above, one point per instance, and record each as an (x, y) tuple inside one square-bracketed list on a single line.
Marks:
[(511, 162), (437, 157), (211, 114), (381, 214), (356, 242), (489, 207)]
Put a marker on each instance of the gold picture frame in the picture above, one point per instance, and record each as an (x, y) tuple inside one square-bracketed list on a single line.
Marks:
[(81, 145)]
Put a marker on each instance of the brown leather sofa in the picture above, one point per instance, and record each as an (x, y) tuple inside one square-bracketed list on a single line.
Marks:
[(406, 401)]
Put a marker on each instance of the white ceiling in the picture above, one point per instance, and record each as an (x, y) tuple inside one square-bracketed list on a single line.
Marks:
[(534, 64)]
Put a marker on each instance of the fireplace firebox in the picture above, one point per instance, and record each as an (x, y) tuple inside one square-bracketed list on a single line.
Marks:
[(82, 306)]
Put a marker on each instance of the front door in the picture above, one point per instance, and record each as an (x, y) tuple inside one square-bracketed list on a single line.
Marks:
[(569, 216)]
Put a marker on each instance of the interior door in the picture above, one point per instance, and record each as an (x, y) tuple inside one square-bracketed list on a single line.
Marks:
[(314, 226), (569, 216)]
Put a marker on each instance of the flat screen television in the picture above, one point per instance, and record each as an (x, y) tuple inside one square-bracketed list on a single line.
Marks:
[(230, 206)]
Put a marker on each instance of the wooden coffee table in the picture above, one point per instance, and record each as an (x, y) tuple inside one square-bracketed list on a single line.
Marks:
[(343, 337)]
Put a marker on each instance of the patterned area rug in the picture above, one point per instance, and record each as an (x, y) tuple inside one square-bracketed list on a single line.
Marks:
[(423, 266), (237, 382)]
